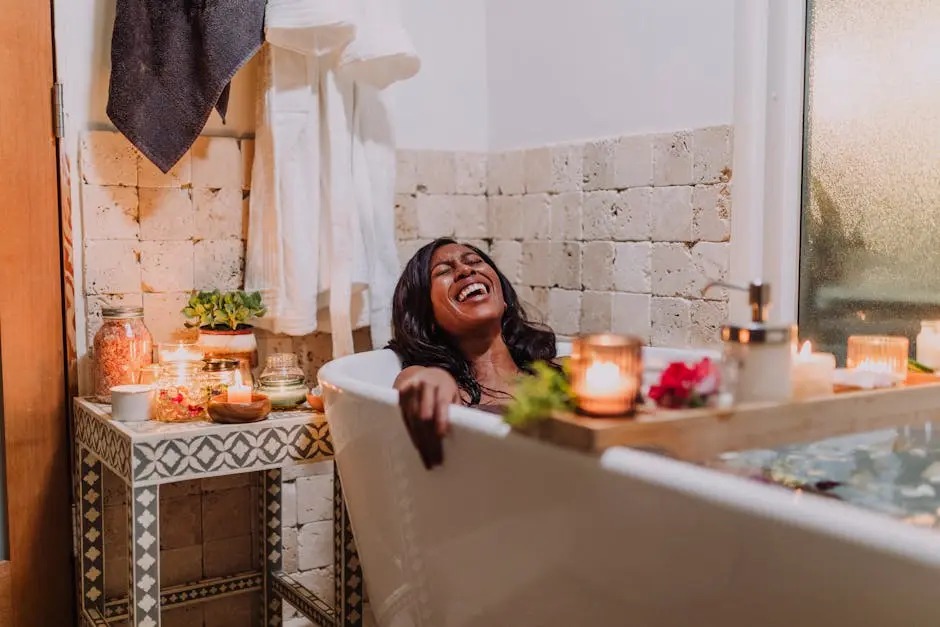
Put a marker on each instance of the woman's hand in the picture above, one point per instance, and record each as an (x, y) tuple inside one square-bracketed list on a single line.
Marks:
[(424, 395)]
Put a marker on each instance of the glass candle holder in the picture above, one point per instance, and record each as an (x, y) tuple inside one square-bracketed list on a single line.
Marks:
[(183, 350), (219, 374), (182, 393), (878, 353), (606, 370), (283, 381), (149, 375)]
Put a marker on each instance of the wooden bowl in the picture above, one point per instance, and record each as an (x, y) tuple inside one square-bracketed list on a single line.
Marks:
[(223, 412)]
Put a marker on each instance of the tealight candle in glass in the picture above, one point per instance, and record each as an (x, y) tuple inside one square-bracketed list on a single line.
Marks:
[(878, 353), (183, 350), (606, 370)]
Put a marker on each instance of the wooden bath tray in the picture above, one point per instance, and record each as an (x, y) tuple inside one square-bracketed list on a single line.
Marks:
[(702, 434)]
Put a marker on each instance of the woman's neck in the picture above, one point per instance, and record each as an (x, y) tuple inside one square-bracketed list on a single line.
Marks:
[(490, 359)]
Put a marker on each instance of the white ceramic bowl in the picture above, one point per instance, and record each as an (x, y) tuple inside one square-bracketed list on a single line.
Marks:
[(132, 403)]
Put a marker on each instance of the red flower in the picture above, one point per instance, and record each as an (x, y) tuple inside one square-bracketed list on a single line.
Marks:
[(683, 386)]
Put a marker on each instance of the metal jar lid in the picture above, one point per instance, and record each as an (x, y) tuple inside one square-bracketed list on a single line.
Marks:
[(220, 365), (757, 334), (118, 313)]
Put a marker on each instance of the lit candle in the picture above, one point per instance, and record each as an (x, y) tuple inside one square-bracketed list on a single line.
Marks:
[(928, 344), (606, 372), (238, 392), (178, 352), (879, 354), (812, 373)]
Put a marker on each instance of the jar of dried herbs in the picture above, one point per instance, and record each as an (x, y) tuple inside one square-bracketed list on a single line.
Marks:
[(122, 346)]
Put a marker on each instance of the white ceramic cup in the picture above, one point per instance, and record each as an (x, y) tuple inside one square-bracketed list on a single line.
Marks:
[(132, 403)]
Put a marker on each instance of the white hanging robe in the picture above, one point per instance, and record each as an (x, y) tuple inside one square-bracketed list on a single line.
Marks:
[(321, 216)]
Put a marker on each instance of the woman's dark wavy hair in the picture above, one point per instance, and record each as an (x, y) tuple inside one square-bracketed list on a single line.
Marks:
[(419, 341)]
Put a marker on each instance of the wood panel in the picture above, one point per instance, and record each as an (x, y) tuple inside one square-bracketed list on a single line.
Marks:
[(31, 324), (6, 604)]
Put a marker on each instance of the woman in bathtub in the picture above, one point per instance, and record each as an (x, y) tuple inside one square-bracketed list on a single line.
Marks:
[(462, 336)]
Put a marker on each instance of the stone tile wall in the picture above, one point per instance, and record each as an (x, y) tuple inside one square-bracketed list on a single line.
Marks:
[(617, 234)]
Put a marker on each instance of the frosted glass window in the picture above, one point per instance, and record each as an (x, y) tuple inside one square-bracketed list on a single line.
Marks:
[(870, 257)]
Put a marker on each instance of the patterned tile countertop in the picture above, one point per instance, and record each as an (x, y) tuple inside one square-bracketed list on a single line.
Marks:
[(894, 472)]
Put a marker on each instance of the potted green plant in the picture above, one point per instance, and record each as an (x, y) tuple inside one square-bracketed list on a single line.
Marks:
[(223, 319)]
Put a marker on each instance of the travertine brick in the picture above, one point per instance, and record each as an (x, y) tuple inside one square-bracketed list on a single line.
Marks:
[(596, 309), (110, 212), (632, 267), (227, 513), (482, 244), (149, 175), (564, 311), (108, 158), (471, 216), (406, 216), (598, 165), (537, 169), (219, 264), (506, 173), (229, 556), (167, 214), (567, 167), (314, 498), (566, 216), (671, 213), (711, 212), (600, 210), (568, 265), (536, 216), (306, 469), (672, 271), (406, 171), (710, 263), (248, 160), (436, 172), (711, 154), (631, 315), (112, 267), (217, 163), (538, 263), (707, 318), (179, 566), (181, 522), (219, 213), (632, 223), (435, 216), (671, 322), (289, 543), (633, 161), (597, 265), (163, 317), (471, 173), (672, 159), (507, 255), (534, 301), (506, 217), (315, 545), (407, 249)]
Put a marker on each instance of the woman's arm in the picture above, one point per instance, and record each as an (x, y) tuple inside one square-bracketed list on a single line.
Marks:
[(424, 395)]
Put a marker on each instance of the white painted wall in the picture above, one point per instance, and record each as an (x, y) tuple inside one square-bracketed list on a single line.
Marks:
[(566, 70)]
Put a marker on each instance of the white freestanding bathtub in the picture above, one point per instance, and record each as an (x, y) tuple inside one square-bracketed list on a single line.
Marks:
[(514, 532)]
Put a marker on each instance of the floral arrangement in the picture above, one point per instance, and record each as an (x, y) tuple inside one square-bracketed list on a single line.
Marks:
[(682, 386), (223, 310)]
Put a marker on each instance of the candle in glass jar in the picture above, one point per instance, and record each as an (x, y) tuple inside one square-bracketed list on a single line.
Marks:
[(606, 372), (174, 352), (928, 344), (238, 392), (879, 354), (812, 373)]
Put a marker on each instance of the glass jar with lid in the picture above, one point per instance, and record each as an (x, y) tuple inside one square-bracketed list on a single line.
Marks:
[(182, 393), (219, 374), (283, 381), (122, 346), (928, 344)]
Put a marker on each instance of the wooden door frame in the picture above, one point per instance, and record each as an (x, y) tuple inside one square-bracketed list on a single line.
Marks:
[(32, 350)]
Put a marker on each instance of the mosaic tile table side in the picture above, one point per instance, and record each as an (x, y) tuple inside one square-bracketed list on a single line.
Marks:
[(151, 453)]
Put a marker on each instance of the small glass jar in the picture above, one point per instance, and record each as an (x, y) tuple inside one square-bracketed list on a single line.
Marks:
[(219, 374), (182, 393), (878, 353), (283, 381), (928, 344), (122, 346), (606, 370)]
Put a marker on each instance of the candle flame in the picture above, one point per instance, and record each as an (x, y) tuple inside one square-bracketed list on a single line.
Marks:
[(869, 365), (807, 349), (238, 379), (603, 377)]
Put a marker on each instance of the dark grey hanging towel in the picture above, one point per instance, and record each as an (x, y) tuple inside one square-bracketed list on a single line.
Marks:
[(171, 63)]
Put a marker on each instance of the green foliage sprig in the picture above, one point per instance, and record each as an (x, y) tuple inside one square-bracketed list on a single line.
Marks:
[(538, 395), (223, 310)]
